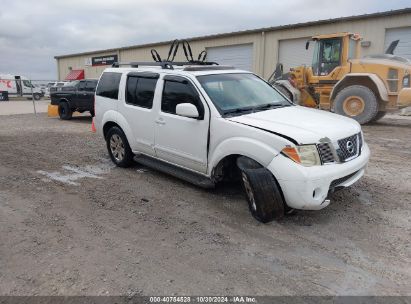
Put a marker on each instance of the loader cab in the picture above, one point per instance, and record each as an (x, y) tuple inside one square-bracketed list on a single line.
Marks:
[(333, 52), (327, 56)]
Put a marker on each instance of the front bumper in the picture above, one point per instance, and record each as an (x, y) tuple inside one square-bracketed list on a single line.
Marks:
[(307, 187), (404, 98)]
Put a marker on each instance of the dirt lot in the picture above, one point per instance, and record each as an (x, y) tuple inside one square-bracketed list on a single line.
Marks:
[(71, 224)]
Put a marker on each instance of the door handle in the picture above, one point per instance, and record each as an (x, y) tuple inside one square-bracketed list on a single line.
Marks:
[(160, 122)]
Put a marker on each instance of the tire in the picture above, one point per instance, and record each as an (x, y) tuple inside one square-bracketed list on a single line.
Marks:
[(36, 96), (357, 102), (118, 148), (379, 115), (65, 112), (263, 194)]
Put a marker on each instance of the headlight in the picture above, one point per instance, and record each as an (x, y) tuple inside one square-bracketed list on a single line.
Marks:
[(306, 155), (406, 81)]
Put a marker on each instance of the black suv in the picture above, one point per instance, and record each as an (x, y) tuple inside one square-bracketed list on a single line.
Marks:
[(75, 96)]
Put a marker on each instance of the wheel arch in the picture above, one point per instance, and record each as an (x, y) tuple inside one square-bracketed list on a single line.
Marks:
[(371, 81), (258, 151), (111, 119), (64, 100), (108, 125)]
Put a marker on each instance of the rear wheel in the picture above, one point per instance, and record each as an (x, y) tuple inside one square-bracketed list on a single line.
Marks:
[(357, 102), (263, 193), (118, 148), (65, 112), (36, 96)]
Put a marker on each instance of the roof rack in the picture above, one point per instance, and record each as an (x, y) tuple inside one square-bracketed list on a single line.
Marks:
[(167, 65), (208, 68)]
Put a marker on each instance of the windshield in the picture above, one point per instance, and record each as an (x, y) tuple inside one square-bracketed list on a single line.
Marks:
[(236, 93)]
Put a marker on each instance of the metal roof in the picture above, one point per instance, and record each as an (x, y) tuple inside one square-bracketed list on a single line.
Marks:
[(259, 30)]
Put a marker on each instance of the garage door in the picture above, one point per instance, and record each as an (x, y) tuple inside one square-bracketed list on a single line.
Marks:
[(239, 56), (404, 46), (292, 53)]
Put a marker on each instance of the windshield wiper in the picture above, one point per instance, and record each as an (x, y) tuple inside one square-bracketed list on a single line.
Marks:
[(254, 109), (238, 111), (269, 106)]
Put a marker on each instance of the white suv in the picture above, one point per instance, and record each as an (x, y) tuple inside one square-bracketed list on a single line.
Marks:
[(206, 124)]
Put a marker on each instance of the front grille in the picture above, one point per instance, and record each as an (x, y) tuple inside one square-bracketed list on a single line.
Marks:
[(326, 153), (341, 180), (348, 147)]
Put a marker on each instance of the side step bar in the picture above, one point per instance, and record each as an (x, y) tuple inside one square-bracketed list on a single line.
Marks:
[(187, 175)]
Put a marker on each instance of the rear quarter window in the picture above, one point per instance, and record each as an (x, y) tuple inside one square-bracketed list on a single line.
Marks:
[(140, 91), (108, 85)]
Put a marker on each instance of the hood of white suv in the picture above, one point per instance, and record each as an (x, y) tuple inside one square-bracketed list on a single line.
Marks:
[(304, 125)]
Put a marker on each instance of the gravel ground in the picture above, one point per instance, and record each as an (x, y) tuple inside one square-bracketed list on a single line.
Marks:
[(72, 224)]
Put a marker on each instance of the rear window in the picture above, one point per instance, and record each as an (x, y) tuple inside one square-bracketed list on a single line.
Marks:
[(140, 91), (108, 85)]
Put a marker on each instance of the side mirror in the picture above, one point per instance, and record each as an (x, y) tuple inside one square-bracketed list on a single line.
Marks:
[(307, 44), (187, 110)]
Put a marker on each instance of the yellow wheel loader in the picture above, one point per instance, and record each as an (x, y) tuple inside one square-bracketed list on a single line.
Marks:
[(340, 81)]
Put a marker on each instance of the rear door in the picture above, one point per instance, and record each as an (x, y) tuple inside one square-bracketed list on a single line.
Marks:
[(138, 110), (79, 98), (182, 140), (88, 95)]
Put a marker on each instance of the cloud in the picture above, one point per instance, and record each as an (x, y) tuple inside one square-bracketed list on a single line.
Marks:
[(32, 33)]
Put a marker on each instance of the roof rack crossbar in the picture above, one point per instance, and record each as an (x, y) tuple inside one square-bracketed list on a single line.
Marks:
[(169, 65)]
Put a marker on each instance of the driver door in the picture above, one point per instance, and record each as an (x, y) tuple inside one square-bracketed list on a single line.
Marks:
[(182, 140)]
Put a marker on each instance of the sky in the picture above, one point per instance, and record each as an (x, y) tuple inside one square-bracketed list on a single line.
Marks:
[(33, 32)]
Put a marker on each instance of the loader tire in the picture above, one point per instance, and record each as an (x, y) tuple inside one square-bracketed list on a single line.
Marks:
[(379, 115), (357, 102)]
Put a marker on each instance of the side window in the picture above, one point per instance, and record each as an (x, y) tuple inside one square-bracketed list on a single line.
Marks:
[(27, 83), (352, 49), (179, 90), (330, 55), (81, 86), (108, 85), (91, 86), (140, 91)]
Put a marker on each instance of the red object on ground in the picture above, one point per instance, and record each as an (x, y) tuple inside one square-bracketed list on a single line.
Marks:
[(93, 127), (75, 75)]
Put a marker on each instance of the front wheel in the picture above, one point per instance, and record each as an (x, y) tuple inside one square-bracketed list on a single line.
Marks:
[(263, 194), (357, 102), (118, 148), (65, 112)]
